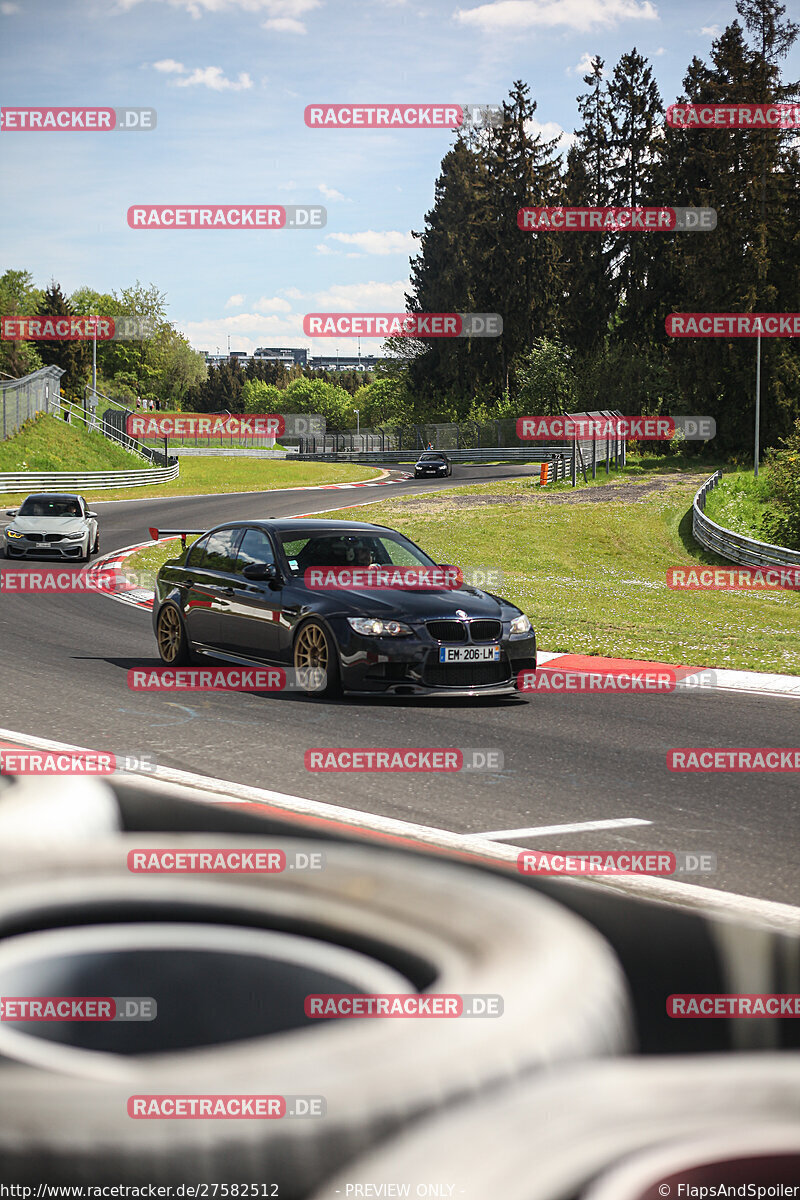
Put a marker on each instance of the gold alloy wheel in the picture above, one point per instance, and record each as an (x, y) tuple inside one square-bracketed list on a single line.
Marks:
[(311, 658), (170, 634)]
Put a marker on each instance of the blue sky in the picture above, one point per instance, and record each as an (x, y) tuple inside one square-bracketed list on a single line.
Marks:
[(230, 80)]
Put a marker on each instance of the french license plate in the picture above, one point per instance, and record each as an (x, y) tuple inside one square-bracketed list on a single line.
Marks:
[(452, 654)]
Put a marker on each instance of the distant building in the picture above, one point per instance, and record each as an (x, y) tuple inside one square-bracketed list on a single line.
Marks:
[(291, 356)]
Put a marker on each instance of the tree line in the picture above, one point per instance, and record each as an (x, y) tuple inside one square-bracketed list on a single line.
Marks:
[(161, 367), (584, 313)]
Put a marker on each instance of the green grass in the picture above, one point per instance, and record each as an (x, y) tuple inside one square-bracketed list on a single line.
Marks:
[(591, 576), (47, 443), (209, 476), (740, 502)]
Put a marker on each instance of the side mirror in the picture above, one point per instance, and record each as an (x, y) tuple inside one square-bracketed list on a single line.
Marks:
[(12, 512), (91, 514), (261, 571)]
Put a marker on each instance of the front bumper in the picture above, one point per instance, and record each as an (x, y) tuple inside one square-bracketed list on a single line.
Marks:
[(25, 548), (410, 667)]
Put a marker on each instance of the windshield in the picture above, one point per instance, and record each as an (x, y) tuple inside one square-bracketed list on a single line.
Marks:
[(431, 458), (50, 506), (304, 550)]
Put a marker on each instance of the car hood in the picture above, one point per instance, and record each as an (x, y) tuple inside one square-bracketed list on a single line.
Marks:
[(48, 524), (423, 605)]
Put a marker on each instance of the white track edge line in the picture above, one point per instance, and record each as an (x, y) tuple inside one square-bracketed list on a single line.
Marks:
[(713, 902)]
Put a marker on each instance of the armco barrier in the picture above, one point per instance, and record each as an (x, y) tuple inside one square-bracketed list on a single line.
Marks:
[(84, 481), (734, 546)]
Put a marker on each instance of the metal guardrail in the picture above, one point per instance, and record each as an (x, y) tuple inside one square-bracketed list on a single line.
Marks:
[(236, 452), (480, 454), (84, 481), (735, 546), (580, 455)]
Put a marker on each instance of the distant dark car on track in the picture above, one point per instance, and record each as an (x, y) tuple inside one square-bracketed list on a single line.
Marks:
[(50, 525), (432, 462), (243, 594)]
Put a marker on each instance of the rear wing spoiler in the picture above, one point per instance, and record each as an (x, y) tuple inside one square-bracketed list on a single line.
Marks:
[(155, 534)]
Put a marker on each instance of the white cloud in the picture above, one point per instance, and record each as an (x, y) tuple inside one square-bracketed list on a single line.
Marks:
[(8, 9), (235, 301), (215, 78), (547, 130), (711, 30), (247, 330), (284, 25), (168, 66), (281, 14), (514, 16), (321, 248), (330, 193), (293, 293), (372, 242), (210, 77), (661, 50), (583, 67), (363, 297), (272, 304)]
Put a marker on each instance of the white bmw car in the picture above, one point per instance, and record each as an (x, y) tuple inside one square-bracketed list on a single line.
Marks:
[(51, 526)]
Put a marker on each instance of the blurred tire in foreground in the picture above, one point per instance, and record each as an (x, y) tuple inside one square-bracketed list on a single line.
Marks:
[(551, 1137), (442, 928)]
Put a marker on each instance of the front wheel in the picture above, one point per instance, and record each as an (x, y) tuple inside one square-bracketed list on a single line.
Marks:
[(316, 662), (174, 647)]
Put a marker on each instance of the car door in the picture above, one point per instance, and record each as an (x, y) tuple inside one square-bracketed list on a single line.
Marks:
[(251, 624), (210, 567), (90, 521)]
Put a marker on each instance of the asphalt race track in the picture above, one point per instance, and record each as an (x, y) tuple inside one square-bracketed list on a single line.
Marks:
[(567, 759)]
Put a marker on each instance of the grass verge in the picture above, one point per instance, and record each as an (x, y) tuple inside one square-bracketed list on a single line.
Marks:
[(589, 567), (211, 476), (47, 443), (740, 502)]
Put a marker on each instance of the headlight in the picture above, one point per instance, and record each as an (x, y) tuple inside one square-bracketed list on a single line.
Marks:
[(12, 533), (75, 537), (375, 627), (521, 624)]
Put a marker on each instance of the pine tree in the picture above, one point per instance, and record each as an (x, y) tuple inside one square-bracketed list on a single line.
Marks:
[(635, 112), (73, 357)]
